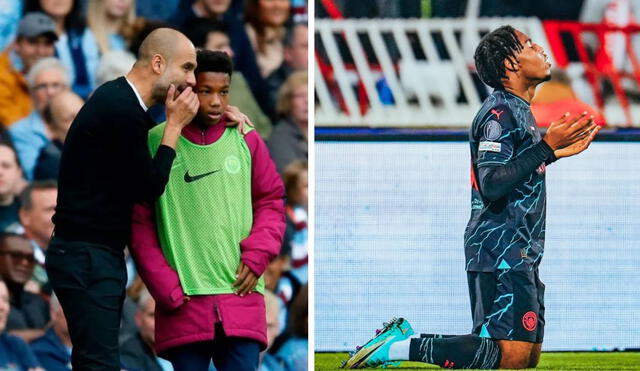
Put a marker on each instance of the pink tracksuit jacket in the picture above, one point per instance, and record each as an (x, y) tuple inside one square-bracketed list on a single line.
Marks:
[(180, 323)]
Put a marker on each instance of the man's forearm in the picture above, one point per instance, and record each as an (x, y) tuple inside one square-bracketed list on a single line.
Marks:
[(171, 134), (28, 335), (497, 181)]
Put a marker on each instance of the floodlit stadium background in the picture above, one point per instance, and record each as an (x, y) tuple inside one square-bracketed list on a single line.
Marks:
[(392, 191)]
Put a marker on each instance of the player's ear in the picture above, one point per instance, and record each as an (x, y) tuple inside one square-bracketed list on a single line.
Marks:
[(511, 64)]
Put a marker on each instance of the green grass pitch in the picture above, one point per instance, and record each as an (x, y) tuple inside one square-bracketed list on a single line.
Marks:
[(548, 361)]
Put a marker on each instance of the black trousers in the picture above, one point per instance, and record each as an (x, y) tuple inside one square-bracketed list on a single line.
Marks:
[(89, 280)]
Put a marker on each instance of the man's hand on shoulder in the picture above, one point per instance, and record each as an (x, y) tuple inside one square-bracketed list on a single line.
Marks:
[(237, 118)]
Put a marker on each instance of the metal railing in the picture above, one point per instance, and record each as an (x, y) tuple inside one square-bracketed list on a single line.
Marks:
[(399, 72), (418, 72)]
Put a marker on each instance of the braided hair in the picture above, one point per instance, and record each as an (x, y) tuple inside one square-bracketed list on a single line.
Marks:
[(497, 46)]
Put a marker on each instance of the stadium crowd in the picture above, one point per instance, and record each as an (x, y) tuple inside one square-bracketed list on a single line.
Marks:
[(55, 53)]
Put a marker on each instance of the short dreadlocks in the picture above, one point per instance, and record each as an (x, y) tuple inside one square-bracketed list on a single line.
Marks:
[(497, 46)]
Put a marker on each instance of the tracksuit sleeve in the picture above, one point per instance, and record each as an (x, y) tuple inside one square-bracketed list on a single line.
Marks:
[(267, 193), (497, 181)]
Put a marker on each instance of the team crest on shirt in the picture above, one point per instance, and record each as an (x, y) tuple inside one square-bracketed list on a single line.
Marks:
[(530, 321), (232, 164), (492, 130)]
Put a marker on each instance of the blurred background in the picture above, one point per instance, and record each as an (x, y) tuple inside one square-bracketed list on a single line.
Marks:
[(53, 55), (395, 93)]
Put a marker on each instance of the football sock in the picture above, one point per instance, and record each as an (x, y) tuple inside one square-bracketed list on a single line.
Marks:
[(399, 351), (437, 336), (465, 351)]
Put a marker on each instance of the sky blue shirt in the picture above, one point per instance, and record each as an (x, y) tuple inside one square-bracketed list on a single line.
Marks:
[(15, 354), (10, 12), (29, 137)]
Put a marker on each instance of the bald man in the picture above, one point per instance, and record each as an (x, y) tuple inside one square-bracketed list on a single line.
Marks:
[(105, 168), (58, 115)]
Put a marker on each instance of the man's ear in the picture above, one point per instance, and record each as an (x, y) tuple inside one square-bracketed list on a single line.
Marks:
[(158, 64), (23, 216)]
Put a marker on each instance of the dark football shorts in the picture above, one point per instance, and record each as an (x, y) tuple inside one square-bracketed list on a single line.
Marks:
[(507, 305)]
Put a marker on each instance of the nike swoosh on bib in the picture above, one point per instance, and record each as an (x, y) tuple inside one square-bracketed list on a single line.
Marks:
[(188, 178)]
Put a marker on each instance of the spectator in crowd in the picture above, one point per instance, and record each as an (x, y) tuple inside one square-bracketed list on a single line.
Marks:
[(244, 58), (158, 10), (555, 97), (53, 349), (135, 289), (189, 11), (288, 141), (10, 180), (6, 137), (35, 39), (37, 204), (29, 312), (137, 350), (107, 19), (212, 35), (9, 18), (76, 46), (382, 8), (113, 65), (46, 78), (14, 352), (58, 115), (268, 362), (296, 184), (279, 280), (295, 59), (292, 346), (265, 25)]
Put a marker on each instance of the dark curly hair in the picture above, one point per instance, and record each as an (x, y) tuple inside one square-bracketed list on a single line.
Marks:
[(213, 61), (495, 47)]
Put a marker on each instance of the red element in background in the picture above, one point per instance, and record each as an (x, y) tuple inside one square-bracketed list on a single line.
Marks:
[(448, 364), (547, 113), (332, 9), (530, 321), (474, 182), (598, 67)]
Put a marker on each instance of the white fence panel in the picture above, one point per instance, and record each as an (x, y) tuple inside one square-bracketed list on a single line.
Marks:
[(426, 90)]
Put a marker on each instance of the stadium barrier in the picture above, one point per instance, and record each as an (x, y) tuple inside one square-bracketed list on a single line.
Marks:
[(389, 234), (420, 73)]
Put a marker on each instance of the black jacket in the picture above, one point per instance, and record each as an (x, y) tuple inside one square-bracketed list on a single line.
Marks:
[(106, 167), (48, 163), (135, 355)]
